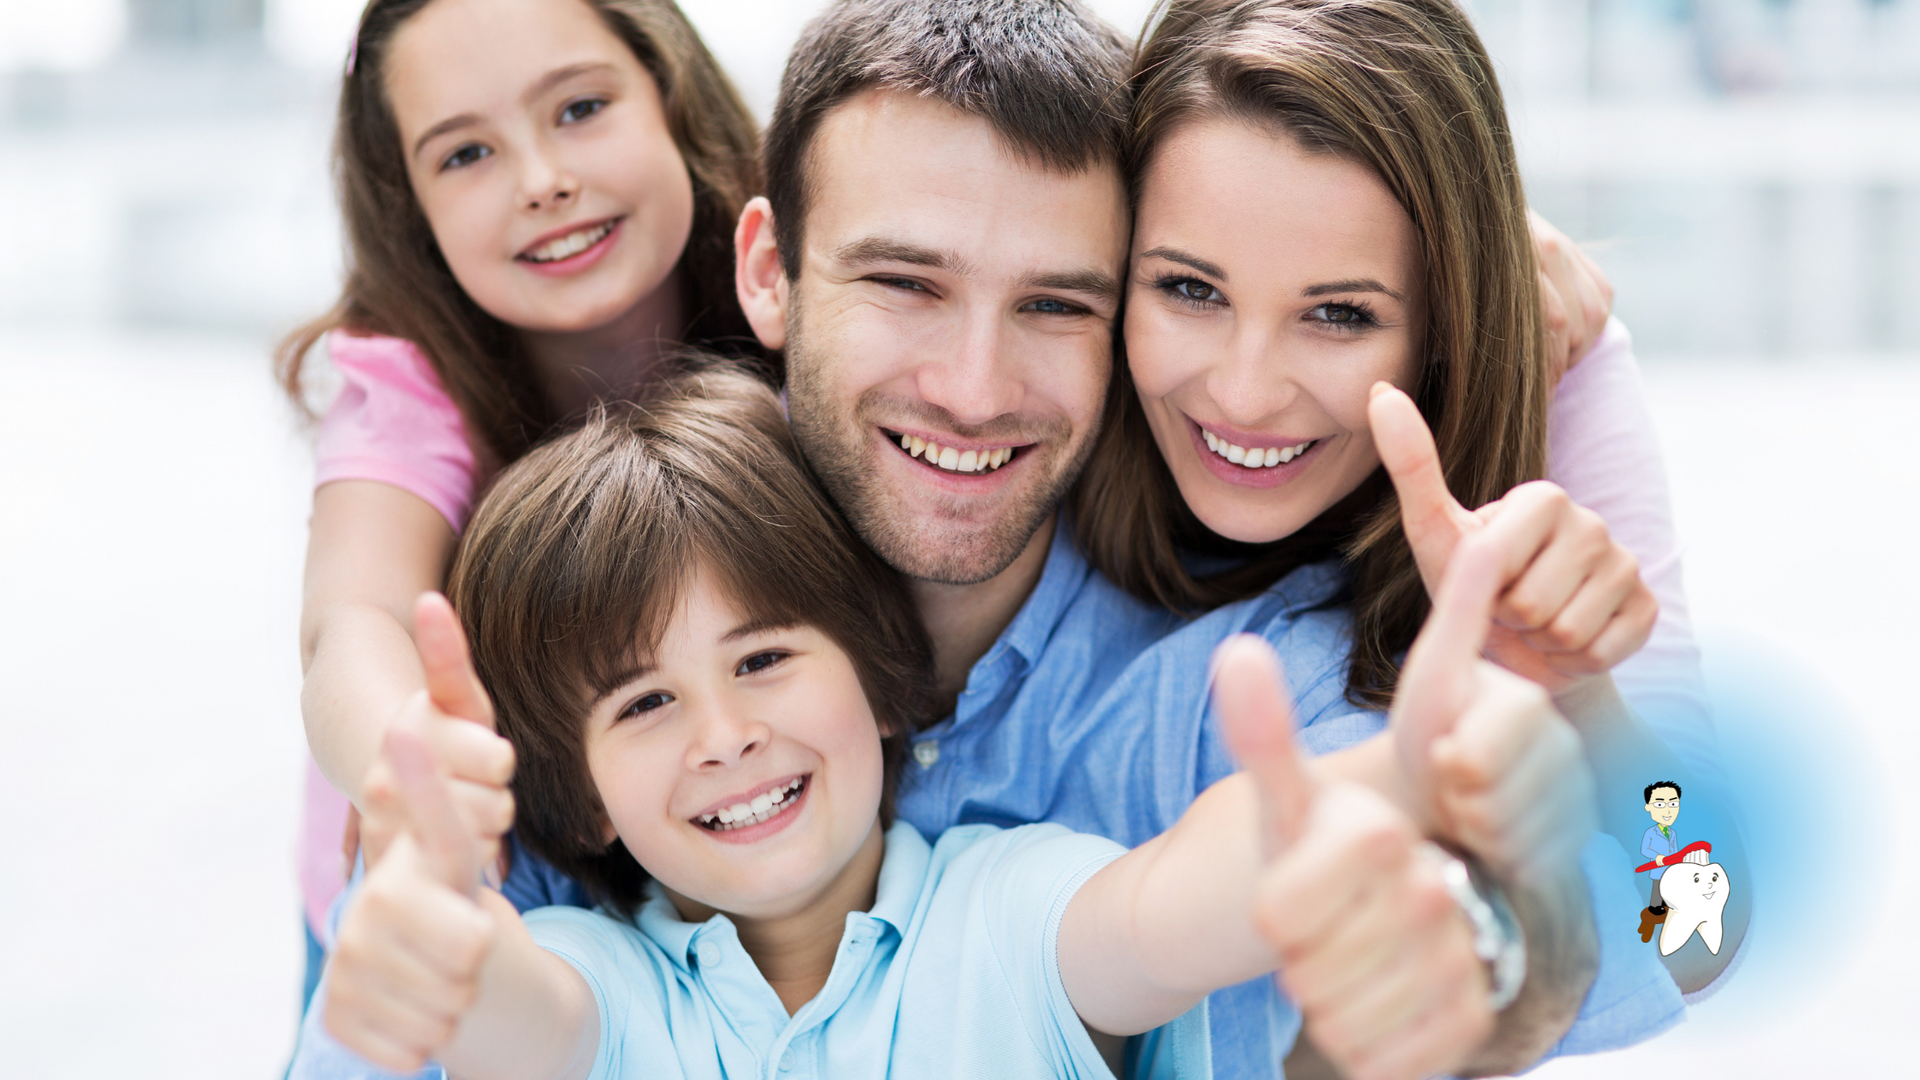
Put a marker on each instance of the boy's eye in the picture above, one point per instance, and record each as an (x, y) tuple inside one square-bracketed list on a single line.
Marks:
[(645, 703), (759, 661), (575, 111), (464, 156)]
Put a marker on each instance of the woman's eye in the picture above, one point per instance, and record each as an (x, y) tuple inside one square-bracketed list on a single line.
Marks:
[(645, 703), (759, 661), (464, 156), (576, 111), (1345, 316), (1190, 290)]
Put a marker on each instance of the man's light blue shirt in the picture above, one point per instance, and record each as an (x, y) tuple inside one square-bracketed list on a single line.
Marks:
[(1654, 843), (952, 973), (1088, 713)]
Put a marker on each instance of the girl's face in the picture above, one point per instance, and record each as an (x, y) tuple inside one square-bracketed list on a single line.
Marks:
[(1269, 289), (743, 769), (539, 151)]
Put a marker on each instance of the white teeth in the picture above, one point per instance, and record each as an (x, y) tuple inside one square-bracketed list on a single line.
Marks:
[(1258, 457), (953, 459), (756, 810), (570, 244)]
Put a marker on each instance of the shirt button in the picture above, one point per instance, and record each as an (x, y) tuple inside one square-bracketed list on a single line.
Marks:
[(786, 1060), (709, 954), (926, 752)]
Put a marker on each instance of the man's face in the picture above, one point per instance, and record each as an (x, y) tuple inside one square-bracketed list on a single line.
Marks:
[(1664, 806), (949, 339)]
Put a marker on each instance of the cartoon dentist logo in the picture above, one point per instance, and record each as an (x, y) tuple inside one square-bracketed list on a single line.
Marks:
[(1689, 892)]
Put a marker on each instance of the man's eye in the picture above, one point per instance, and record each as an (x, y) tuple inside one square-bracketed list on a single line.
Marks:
[(576, 111), (1052, 306), (464, 156), (901, 283), (645, 703), (759, 661)]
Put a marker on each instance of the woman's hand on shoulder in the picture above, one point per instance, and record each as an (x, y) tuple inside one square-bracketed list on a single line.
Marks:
[(1575, 295), (1571, 602)]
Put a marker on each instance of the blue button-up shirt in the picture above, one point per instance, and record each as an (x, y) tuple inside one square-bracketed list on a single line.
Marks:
[(952, 973), (1655, 843)]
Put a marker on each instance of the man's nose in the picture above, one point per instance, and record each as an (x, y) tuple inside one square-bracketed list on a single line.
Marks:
[(971, 374)]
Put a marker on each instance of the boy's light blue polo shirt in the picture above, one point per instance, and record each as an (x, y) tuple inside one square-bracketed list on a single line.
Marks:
[(1049, 730), (951, 974)]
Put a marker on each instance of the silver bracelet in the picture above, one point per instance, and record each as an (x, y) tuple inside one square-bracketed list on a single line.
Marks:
[(1497, 938)]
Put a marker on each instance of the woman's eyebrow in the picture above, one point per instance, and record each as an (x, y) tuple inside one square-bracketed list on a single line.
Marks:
[(1351, 285), (1184, 259)]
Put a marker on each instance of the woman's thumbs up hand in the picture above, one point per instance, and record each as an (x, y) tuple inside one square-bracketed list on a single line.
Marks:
[(1570, 602)]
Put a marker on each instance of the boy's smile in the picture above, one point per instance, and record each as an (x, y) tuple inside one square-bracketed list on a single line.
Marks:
[(740, 764)]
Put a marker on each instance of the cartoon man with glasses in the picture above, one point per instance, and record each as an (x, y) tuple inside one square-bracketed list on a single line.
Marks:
[(1660, 843)]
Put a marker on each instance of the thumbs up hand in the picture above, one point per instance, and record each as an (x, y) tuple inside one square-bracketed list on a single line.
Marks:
[(1570, 602), (412, 943), (454, 716), (1487, 759), (1352, 901)]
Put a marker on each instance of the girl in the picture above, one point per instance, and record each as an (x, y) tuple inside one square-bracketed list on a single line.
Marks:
[(709, 682), (539, 197)]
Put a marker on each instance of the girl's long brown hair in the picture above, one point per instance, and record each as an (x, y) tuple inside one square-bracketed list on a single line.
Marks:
[(398, 284), (1405, 88)]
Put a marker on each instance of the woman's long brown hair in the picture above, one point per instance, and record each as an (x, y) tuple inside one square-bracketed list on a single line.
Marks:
[(398, 283), (1405, 88)]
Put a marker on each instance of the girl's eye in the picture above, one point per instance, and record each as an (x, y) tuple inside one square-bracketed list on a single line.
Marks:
[(1190, 290), (464, 156), (1345, 316), (760, 661), (576, 111), (645, 703)]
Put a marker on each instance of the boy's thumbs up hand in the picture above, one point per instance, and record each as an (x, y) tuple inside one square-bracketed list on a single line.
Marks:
[(1485, 756), (454, 718), (1569, 602), (413, 941), (1353, 903)]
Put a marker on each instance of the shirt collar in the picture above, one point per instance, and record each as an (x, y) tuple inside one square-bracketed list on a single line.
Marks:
[(903, 874), (1060, 581)]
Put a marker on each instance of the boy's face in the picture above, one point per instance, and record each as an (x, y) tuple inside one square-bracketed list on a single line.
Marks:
[(1665, 805), (744, 769)]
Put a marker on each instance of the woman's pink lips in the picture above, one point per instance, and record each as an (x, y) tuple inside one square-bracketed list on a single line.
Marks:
[(1242, 476), (579, 260), (751, 833)]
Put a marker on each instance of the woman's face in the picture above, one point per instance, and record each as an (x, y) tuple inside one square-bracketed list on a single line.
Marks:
[(1270, 288), (539, 151)]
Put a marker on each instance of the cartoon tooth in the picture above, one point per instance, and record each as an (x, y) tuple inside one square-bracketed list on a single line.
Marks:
[(1695, 894)]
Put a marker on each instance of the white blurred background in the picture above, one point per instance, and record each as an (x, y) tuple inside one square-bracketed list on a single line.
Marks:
[(1747, 171)]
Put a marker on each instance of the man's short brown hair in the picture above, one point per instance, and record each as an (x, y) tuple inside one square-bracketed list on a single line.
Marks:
[(1048, 75), (577, 558)]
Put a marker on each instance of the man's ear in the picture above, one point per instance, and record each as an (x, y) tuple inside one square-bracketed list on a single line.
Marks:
[(758, 276)]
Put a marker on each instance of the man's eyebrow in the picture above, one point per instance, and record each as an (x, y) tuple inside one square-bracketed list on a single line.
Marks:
[(1184, 259), (877, 249), (540, 86), (1351, 285), (1092, 282)]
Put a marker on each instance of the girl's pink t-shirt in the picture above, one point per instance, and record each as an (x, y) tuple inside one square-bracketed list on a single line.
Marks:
[(393, 422)]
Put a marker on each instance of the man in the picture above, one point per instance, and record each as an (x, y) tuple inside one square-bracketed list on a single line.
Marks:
[(1660, 843), (939, 259)]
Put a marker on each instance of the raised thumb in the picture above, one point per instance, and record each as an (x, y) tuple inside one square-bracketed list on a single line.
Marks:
[(1438, 680), (1433, 519), (1256, 716), (446, 847), (451, 681)]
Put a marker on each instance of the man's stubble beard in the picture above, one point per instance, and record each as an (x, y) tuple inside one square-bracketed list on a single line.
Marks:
[(836, 447)]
